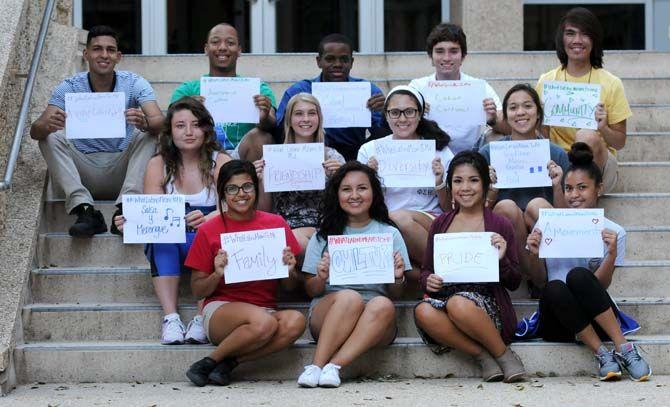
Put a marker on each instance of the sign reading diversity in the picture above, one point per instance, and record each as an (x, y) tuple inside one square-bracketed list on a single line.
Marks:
[(520, 164), (571, 233), (465, 257), (344, 104), (569, 104), (456, 102), (154, 219), (95, 115), (293, 167), (361, 259), (254, 255), (231, 100), (406, 163)]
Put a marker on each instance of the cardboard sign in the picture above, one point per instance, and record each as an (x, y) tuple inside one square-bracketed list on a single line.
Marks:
[(293, 167), (465, 257), (456, 102), (569, 104), (95, 115), (154, 219), (231, 100), (571, 233), (406, 163), (361, 259), (254, 255), (344, 104), (521, 164)]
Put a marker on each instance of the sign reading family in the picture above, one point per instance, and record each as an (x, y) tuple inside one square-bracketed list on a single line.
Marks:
[(254, 255), (456, 102), (571, 233), (344, 104), (293, 167), (465, 257), (231, 100), (95, 115), (406, 163), (361, 259), (569, 104), (154, 219), (520, 164)]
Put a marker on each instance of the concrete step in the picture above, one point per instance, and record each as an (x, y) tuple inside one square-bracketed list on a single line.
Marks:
[(646, 147), (644, 177), (649, 117), (127, 362), (637, 209), (641, 279)]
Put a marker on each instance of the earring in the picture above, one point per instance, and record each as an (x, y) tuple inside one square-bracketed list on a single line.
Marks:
[(453, 204)]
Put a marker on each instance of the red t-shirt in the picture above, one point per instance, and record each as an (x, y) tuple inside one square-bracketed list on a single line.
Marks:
[(207, 243)]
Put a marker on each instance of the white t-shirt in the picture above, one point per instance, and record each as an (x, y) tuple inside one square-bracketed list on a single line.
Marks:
[(416, 199), (462, 137)]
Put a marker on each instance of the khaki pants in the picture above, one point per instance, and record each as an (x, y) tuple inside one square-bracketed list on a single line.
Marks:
[(102, 176), (610, 172)]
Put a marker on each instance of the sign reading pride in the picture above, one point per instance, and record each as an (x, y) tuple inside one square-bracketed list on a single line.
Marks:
[(465, 257), (231, 100), (456, 102), (571, 233), (406, 163), (569, 104), (95, 115), (254, 255), (344, 104), (520, 164), (293, 167), (361, 259), (154, 219)]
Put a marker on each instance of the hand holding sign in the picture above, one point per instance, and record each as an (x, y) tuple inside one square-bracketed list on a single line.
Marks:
[(468, 257)]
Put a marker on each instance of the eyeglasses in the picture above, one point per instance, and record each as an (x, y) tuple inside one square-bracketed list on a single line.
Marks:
[(232, 189), (409, 113)]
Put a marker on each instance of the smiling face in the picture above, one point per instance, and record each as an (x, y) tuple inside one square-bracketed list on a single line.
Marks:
[(304, 122), (447, 59), (222, 49), (102, 55), (581, 190), (577, 44), (187, 135), (403, 127), (241, 204), (335, 62), (467, 188), (355, 195), (522, 114)]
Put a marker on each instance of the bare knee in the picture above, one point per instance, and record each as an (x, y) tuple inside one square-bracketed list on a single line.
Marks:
[(459, 308), (402, 218), (424, 313), (508, 209), (251, 146), (292, 325), (381, 309), (263, 327), (532, 212), (349, 299)]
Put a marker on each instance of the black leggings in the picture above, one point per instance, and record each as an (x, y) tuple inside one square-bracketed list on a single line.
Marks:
[(567, 308)]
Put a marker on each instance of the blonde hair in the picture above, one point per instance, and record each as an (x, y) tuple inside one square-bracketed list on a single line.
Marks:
[(289, 137)]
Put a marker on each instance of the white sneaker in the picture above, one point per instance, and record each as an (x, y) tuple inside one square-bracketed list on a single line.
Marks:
[(173, 330), (195, 332), (310, 377), (330, 376)]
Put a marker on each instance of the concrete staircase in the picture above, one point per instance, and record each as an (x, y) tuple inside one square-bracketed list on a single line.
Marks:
[(91, 315)]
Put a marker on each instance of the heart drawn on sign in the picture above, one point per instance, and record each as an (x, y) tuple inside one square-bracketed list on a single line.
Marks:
[(548, 240), (595, 221)]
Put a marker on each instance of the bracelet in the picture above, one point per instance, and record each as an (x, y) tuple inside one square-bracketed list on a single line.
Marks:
[(441, 186)]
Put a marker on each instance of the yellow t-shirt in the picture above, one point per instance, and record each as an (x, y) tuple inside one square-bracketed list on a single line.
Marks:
[(611, 94)]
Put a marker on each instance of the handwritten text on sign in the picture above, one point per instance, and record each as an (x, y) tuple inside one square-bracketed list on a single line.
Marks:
[(456, 102), (520, 164), (95, 115), (465, 257), (344, 104), (406, 163), (254, 255), (569, 104), (231, 100), (154, 219), (361, 259), (571, 233), (293, 167)]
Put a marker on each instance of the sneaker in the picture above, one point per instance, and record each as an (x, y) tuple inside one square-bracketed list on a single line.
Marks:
[(89, 222), (173, 331), (222, 372), (609, 368), (630, 359), (310, 377), (112, 228), (330, 376), (195, 332), (199, 372)]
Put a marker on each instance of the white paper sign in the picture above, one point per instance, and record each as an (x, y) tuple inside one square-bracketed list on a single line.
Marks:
[(571, 233), (465, 257), (154, 219), (520, 164), (254, 255), (406, 163), (344, 104), (456, 102), (569, 104), (293, 167), (95, 115), (231, 100), (361, 259)]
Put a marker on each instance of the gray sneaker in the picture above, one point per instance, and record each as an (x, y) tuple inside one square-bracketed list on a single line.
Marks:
[(630, 359), (609, 368)]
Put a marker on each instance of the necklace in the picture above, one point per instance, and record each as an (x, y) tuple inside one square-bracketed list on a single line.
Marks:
[(565, 74)]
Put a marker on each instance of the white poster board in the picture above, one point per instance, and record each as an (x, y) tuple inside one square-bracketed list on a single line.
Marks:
[(254, 255), (465, 257), (571, 233), (344, 104), (154, 219), (569, 104), (520, 164), (231, 100), (95, 115), (361, 259), (406, 163), (456, 102), (293, 167)]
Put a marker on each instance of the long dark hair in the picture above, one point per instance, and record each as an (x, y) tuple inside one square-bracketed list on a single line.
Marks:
[(427, 129), (332, 219), (581, 158), (533, 95), (589, 24), (474, 159), (228, 171)]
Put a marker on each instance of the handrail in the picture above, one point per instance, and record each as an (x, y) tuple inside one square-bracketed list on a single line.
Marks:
[(6, 183)]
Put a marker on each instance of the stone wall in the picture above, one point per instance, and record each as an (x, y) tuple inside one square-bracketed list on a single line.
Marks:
[(490, 25)]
